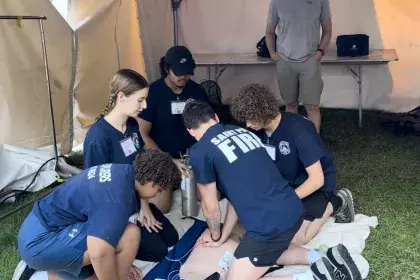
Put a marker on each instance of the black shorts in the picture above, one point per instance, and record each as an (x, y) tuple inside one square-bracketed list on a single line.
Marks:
[(316, 204), (266, 252)]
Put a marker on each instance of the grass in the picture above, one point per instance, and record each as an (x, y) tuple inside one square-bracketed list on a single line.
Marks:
[(380, 168)]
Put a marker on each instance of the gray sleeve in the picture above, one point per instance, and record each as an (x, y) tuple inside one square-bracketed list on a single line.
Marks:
[(325, 10), (273, 16)]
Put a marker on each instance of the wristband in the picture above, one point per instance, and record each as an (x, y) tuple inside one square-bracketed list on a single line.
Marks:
[(217, 240)]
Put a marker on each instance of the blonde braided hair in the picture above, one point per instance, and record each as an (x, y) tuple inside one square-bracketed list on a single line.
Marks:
[(126, 81)]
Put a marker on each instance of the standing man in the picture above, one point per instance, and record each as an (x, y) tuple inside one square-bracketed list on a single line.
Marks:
[(233, 161), (299, 50)]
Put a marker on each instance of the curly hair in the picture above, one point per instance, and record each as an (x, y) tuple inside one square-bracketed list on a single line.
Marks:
[(255, 103), (156, 167)]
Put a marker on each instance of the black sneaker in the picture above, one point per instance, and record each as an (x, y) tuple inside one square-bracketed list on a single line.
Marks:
[(344, 266), (346, 212), (23, 271), (322, 270)]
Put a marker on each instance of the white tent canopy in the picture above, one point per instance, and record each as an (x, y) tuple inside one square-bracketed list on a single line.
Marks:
[(90, 41)]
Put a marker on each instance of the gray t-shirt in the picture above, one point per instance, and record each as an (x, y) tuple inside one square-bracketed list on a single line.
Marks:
[(298, 26)]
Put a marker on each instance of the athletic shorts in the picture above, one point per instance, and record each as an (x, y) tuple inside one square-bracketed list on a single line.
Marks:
[(316, 204), (60, 252), (266, 252), (300, 81)]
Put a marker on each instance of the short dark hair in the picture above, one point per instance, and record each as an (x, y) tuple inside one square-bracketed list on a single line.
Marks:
[(158, 168), (196, 113), (256, 103)]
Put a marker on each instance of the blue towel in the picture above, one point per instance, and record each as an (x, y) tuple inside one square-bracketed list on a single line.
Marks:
[(170, 269)]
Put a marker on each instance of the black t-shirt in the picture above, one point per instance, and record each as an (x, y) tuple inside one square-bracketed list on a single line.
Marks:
[(168, 130)]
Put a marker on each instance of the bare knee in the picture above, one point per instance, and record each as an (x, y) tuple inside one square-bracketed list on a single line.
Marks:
[(300, 239), (292, 107), (312, 109)]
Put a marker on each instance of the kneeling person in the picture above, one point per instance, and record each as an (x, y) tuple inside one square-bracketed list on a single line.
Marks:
[(300, 155), (82, 231), (233, 160)]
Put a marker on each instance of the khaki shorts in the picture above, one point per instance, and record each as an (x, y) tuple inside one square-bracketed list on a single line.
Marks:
[(300, 81)]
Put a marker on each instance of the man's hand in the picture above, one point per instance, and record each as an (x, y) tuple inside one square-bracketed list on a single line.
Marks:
[(180, 165), (147, 219), (206, 240), (275, 57), (318, 56)]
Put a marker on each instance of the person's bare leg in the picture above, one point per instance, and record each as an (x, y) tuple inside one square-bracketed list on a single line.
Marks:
[(292, 107), (314, 115), (52, 276), (243, 269), (295, 254), (163, 201), (308, 230)]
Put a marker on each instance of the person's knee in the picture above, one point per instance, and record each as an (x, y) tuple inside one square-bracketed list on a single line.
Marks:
[(292, 107), (300, 240), (312, 109)]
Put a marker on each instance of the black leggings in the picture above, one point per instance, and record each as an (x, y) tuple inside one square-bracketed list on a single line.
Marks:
[(154, 246)]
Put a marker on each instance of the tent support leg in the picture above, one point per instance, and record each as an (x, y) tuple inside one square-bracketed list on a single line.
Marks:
[(47, 73), (175, 7), (47, 78)]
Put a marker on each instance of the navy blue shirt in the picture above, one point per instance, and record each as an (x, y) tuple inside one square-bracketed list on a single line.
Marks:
[(103, 196), (236, 159), (103, 143), (168, 130), (298, 146)]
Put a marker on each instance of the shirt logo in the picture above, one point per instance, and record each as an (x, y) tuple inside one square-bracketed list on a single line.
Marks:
[(183, 60), (136, 142), (284, 148)]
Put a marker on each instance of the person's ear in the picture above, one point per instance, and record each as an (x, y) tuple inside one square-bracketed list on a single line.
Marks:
[(192, 132), (120, 96)]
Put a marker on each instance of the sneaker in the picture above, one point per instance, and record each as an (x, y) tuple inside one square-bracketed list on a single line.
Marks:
[(344, 266), (346, 212), (322, 270), (23, 271)]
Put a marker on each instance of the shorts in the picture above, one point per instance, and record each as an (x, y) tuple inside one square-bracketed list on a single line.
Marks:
[(316, 204), (60, 252), (266, 252), (300, 81)]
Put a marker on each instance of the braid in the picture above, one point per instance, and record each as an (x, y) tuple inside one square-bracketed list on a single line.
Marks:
[(111, 103)]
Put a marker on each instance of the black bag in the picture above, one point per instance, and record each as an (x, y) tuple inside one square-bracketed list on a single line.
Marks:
[(262, 48), (352, 45)]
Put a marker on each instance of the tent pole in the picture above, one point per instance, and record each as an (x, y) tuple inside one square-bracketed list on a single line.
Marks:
[(47, 73), (175, 7), (47, 77)]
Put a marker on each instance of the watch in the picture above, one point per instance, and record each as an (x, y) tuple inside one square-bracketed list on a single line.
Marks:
[(322, 51)]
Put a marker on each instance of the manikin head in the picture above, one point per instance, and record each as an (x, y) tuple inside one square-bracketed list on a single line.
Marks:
[(154, 171), (255, 105)]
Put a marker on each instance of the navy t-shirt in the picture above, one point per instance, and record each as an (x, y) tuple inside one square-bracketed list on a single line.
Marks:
[(298, 146), (103, 196), (103, 143), (236, 160), (168, 130)]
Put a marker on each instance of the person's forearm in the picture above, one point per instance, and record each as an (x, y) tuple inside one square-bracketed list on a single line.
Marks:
[(325, 39), (230, 221), (149, 143), (213, 218), (144, 203), (105, 266), (270, 40), (307, 188)]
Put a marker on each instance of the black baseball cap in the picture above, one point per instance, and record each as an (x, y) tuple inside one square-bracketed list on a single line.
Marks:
[(180, 61)]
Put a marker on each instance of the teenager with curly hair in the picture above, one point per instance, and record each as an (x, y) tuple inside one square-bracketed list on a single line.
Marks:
[(82, 230), (300, 155), (115, 138)]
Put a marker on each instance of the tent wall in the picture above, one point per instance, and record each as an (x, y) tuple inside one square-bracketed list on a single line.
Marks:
[(24, 108), (108, 39), (156, 22), (235, 26)]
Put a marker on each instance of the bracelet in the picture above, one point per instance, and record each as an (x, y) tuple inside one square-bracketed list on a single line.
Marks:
[(217, 240)]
